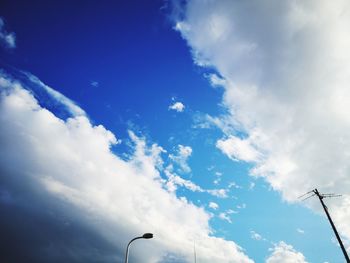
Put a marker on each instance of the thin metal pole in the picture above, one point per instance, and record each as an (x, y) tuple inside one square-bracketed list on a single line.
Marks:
[(127, 249), (194, 252), (333, 226)]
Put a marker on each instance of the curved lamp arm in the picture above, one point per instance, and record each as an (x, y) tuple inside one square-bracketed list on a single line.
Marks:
[(144, 236)]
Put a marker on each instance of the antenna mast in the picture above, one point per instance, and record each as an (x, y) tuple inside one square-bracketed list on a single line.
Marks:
[(194, 251), (320, 197)]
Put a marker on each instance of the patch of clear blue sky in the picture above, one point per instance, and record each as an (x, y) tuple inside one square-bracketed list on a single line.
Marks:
[(140, 63)]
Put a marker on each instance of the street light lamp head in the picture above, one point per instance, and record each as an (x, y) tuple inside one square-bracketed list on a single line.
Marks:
[(147, 235)]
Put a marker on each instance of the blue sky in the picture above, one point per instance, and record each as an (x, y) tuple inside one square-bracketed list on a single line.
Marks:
[(199, 122)]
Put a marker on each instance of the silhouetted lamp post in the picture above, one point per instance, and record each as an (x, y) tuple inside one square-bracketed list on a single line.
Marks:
[(144, 236)]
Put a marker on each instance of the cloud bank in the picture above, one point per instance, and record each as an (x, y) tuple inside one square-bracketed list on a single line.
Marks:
[(67, 197), (284, 67)]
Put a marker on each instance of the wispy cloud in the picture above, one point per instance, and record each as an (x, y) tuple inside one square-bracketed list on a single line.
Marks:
[(7, 39), (221, 193), (70, 105), (181, 157), (255, 235), (300, 231), (94, 83), (234, 185), (231, 211), (224, 216), (174, 181), (241, 206), (213, 205), (217, 180), (251, 186)]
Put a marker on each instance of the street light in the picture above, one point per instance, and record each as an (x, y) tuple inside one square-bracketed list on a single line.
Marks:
[(144, 236)]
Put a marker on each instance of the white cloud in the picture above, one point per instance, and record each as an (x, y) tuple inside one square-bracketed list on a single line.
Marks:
[(216, 81), (183, 153), (233, 185), (177, 106), (285, 253), (225, 217), (300, 231), (213, 205), (217, 181), (231, 211), (70, 105), (220, 193), (70, 162), (242, 206), (285, 75), (255, 236), (94, 84), (7, 39), (173, 181), (211, 167), (238, 149)]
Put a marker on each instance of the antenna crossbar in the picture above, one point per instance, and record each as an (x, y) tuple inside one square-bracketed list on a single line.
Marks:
[(320, 197)]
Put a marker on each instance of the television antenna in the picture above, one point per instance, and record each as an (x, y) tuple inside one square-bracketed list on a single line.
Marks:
[(321, 197)]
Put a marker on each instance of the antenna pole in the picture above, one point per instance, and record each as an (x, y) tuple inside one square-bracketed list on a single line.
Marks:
[(332, 224), (194, 251)]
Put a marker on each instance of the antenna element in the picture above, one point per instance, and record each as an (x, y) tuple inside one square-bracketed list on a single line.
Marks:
[(320, 197)]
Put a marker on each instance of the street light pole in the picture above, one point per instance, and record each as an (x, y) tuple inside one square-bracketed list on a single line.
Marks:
[(144, 236)]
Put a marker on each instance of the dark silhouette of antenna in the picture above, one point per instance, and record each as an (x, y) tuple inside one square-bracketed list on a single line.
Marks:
[(320, 197)]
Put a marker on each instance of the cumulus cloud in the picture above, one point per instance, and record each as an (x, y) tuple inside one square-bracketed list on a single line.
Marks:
[(177, 106), (284, 70), (213, 205), (89, 201), (7, 39), (285, 253)]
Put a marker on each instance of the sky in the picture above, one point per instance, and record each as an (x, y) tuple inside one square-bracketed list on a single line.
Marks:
[(201, 122)]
